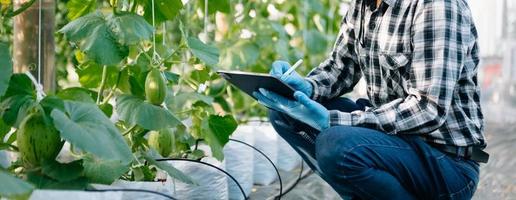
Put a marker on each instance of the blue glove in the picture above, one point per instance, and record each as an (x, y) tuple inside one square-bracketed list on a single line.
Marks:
[(303, 109), (294, 79)]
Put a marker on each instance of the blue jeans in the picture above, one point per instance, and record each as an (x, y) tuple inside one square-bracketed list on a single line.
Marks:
[(369, 164)]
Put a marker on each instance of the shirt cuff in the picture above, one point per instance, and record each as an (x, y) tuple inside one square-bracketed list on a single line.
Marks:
[(338, 118), (315, 90)]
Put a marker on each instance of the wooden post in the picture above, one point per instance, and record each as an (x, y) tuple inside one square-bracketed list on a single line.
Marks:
[(25, 47)]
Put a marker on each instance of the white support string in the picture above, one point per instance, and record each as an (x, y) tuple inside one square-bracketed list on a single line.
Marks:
[(40, 93), (164, 33), (206, 20), (155, 56)]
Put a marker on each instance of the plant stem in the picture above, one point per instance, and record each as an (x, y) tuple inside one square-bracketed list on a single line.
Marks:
[(24, 7), (133, 7), (129, 130), (112, 92), (172, 54), (102, 83), (230, 95), (184, 111), (181, 79)]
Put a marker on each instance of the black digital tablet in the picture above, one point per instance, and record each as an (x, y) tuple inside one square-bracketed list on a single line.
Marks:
[(251, 82)]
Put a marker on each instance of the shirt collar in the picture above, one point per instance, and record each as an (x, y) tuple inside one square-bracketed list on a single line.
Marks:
[(390, 2), (372, 3)]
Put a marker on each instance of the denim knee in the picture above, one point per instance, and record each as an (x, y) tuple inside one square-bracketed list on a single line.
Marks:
[(335, 148)]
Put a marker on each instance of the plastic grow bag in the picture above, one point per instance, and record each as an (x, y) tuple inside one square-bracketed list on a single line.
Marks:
[(161, 187), (75, 195), (288, 158), (238, 159), (266, 140), (212, 184)]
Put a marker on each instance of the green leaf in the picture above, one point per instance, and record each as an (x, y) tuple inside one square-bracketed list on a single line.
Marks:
[(144, 173), (220, 128), (169, 8), (107, 109), (281, 48), (316, 6), (42, 181), (249, 53), (186, 99), (163, 10), (200, 76), (11, 186), (137, 86), (20, 84), (4, 129), (130, 28), (197, 154), (102, 48), (143, 64), (50, 103), (95, 39), (103, 171), (90, 75), (87, 128), (15, 108), (83, 27), (6, 67), (172, 77), (207, 53), (77, 94), (217, 5), (173, 172), (4, 146), (63, 171), (19, 98), (315, 41), (79, 8), (134, 110)]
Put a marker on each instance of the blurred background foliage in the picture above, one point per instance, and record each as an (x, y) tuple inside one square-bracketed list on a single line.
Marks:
[(250, 35)]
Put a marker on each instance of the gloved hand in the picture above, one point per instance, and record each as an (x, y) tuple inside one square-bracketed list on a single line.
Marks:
[(303, 109), (294, 79)]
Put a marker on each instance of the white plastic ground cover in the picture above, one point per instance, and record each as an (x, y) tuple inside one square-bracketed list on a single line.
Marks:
[(265, 139), (238, 159), (75, 195), (288, 158), (161, 187), (212, 183)]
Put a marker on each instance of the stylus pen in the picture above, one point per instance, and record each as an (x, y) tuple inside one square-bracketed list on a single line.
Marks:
[(293, 68)]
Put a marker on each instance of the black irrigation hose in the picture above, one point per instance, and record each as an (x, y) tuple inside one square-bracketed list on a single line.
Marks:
[(297, 181), (208, 164), (131, 190), (273, 165), (300, 177)]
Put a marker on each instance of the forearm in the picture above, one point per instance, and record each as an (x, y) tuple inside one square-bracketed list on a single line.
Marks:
[(416, 114)]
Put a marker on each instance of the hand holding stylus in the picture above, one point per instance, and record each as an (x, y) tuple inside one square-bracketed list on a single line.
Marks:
[(287, 74)]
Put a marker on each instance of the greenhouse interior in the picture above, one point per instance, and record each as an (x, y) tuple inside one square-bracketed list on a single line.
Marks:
[(257, 99)]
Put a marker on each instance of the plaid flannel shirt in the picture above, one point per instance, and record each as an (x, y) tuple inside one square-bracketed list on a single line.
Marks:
[(419, 59)]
